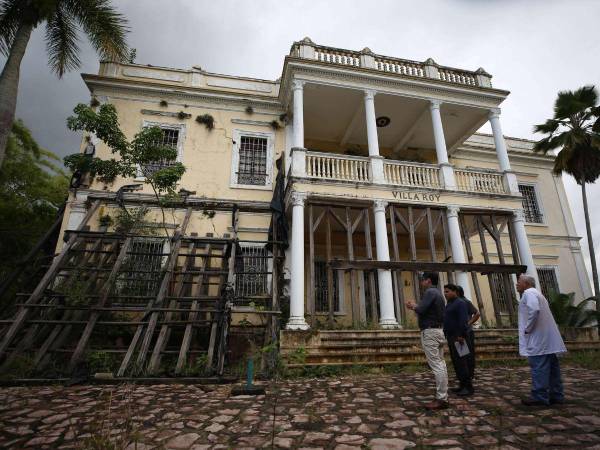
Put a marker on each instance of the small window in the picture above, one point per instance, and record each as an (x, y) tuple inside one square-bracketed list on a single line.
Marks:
[(548, 280), (503, 296), (531, 206), (252, 160), (171, 137)]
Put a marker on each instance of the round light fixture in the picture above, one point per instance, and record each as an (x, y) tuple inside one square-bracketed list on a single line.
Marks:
[(382, 121)]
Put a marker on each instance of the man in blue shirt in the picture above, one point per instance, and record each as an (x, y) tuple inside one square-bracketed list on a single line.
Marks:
[(456, 329), (430, 313)]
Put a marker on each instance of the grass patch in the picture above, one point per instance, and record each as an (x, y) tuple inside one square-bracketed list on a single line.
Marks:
[(588, 359)]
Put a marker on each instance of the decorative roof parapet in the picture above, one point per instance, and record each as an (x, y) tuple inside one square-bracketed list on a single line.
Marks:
[(307, 49)]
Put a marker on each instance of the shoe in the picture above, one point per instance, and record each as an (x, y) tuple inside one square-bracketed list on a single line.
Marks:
[(465, 392), (555, 401), (532, 402), (437, 404)]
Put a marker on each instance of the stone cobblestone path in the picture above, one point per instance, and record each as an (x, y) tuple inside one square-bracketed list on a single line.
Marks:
[(345, 413)]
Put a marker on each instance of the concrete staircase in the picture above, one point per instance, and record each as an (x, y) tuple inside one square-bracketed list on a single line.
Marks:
[(381, 347)]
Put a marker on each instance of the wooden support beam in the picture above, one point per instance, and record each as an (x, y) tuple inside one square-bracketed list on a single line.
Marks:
[(311, 268), (358, 113), (353, 288), (329, 269), (474, 278), (38, 292), (396, 276), (370, 275), (408, 134), (366, 264), (95, 315)]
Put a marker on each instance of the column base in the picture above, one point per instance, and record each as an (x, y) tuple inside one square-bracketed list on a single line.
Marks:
[(297, 323), (389, 324)]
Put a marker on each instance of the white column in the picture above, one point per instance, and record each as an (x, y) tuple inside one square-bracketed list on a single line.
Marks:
[(518, 221), (510, 179), (77, 211), (387, 317), (376, 161), (296, 321), (458, 254), (298, 89), (446, 171)]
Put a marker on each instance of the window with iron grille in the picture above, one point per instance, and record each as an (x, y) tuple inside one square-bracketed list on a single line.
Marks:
[(499, 289), (531, 207), (548, 280), (322, 289), (140, 274), (170, 138), (252, 164), (252, 278)]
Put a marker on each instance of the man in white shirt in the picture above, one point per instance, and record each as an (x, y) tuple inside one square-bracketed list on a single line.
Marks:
[(540, 341)]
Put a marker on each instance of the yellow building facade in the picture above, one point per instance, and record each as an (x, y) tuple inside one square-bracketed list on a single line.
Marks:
[(381, 175)]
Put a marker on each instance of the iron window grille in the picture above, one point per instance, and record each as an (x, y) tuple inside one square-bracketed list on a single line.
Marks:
[(322, 289), (141, 270), (253, 274), (531, 207), (252, 166), (504, 297), (170, 138), (548, 280)]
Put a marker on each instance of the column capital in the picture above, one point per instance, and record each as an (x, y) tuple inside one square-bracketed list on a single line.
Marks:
[(370, 94), (434, 104), (298, 85), (518, 215), (452, 210), (298, 198), (494, 113), (379, 205)]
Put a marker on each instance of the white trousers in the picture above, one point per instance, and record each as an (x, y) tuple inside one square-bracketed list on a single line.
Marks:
[(433, 342)]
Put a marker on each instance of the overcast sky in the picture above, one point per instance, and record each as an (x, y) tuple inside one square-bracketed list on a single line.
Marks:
[(534, 48)]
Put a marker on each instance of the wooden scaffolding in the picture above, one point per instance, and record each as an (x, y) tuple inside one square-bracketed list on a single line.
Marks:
[(154, 306)]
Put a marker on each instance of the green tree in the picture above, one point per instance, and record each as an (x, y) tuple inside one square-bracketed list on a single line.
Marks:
[(104, 27), (574, 132), (567, 314), (135, 157), (32, 190)]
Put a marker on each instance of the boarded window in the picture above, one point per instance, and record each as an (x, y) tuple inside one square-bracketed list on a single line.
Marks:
[(548, 280), (531, 207), (252, 167)]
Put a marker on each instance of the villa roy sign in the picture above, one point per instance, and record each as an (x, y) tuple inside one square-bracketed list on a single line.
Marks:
[(416, 196)]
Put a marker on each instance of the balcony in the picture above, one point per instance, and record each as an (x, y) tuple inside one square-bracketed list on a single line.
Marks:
[(329, 167)]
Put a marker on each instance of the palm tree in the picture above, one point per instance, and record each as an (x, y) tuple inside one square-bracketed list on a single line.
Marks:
[(104, 27), (575, 132)]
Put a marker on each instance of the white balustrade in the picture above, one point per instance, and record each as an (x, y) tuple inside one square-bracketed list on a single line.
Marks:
[(479, 181), (325, 166), (400, 66), (411, 174), (457, 76), (335, 56)]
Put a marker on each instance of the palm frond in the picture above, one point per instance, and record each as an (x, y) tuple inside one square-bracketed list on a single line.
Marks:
[(550, 126), (551, 142), (10, 18), (22, 134), (61, 42), (569, 103), (103, 25)]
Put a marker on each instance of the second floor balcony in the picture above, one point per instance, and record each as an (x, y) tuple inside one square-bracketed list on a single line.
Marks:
[(358, 122)]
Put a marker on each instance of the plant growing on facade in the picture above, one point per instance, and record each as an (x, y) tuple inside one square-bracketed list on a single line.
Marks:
[(133, 158), (105, 221), (207, 120), (575, 132), (284, 118), (94, 102), (100, 22), (181, 115), (249, 109), (163, 103), (275, 125)]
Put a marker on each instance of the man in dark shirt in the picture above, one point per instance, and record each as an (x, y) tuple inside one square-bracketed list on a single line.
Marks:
[(430, 313), (473, 317), (456, 327)]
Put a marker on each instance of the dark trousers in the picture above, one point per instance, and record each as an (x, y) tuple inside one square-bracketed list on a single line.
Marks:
[(545, 378), (461, 365), (471, 356)]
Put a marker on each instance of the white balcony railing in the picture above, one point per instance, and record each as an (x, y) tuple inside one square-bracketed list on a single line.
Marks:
[(411, 174), (325, 166), (479, 181)]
